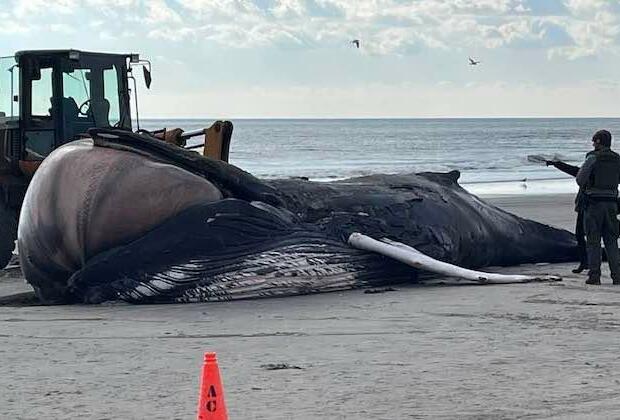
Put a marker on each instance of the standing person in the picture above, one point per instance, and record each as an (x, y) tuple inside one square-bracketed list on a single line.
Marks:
[(599, 177), (579, 208)]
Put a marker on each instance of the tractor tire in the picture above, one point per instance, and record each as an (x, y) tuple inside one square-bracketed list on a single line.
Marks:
[(8, 234)]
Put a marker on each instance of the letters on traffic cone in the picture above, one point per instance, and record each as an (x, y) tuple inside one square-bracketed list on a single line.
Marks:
[(211, 404)]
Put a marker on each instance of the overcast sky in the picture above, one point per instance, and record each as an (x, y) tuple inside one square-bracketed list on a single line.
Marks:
[(293, 58)]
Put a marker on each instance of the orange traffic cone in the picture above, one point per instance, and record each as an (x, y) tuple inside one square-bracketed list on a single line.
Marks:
[(211, 404)]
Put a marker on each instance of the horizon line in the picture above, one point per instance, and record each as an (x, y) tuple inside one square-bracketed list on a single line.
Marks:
[(381, 118)]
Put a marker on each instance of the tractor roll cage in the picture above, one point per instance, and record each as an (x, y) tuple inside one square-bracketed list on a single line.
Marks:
[(63, 93)]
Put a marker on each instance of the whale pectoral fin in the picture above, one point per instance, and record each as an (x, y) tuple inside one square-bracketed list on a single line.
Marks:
[(411, 256)]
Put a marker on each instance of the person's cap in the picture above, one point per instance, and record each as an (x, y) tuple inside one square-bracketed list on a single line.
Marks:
[(603, 137)]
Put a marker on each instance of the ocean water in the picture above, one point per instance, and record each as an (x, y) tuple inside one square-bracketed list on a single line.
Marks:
[(491, 154)]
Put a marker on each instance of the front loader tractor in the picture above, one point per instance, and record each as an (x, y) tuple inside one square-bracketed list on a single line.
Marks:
[(51, 97)]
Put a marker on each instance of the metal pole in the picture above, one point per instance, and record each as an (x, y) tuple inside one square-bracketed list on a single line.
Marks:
[(135, 94), (12, 93), (193, 133)]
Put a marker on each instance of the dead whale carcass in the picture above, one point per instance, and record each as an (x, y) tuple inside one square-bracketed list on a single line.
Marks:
[(143, 221)]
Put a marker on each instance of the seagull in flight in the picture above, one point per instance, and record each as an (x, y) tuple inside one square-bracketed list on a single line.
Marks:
[(473, 62), (356, 42)]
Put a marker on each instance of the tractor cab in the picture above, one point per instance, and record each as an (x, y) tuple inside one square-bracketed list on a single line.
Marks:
[(48, 98)]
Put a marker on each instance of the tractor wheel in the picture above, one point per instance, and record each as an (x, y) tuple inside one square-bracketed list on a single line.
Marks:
[(8, 234)]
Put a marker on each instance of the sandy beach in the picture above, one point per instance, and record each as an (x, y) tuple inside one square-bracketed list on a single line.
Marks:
[(544, 350)]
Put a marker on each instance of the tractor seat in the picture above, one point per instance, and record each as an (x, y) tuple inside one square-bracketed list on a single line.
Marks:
[(71, 118), (70, 108), (100, 110)]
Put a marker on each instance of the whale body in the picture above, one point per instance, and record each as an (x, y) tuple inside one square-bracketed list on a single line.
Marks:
[(124, 216)]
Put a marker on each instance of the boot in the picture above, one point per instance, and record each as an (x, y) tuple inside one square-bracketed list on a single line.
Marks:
[(582, 266), (594, 280)]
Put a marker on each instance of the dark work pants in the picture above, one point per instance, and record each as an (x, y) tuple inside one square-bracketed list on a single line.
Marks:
[(601, 221), (580, 233)]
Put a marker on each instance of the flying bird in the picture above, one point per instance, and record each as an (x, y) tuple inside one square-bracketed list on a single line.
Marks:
[(356, 42), (473, 62)]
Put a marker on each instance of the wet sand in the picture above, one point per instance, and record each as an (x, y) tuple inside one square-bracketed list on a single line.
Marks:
[(547, 350)]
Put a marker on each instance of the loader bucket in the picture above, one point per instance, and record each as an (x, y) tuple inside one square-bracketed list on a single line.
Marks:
[(217, 140)]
